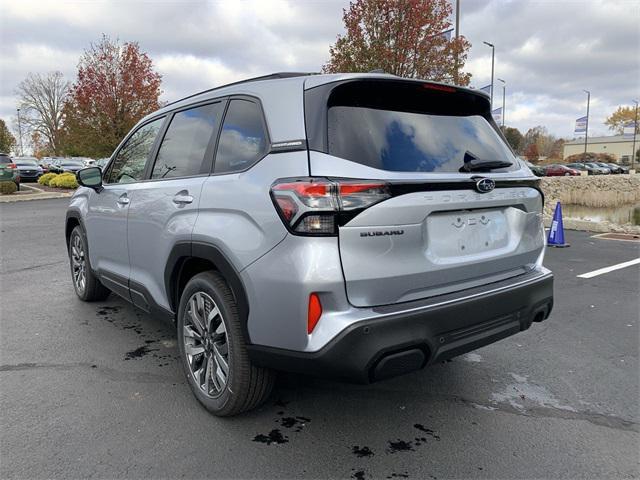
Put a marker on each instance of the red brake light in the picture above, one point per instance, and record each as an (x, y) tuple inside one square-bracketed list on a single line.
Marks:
[(12, 165), (315, 312), (442, 88), (315, 206)]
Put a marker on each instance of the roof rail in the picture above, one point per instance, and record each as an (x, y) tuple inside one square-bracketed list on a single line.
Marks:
[(271, 76)]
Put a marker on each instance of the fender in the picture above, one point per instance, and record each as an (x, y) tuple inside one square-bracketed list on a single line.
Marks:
[(76, 216), (183, 251)]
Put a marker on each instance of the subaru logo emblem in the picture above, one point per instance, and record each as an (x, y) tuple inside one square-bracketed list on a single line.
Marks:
[(485, 185)]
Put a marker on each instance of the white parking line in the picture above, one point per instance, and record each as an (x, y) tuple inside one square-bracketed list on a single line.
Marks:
[(601, 271)]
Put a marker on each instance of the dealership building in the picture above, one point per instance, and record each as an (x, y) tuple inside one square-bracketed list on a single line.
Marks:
[(619, 146)]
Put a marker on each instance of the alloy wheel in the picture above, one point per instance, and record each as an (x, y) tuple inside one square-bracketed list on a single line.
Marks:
[(78, 264), (205, 344)]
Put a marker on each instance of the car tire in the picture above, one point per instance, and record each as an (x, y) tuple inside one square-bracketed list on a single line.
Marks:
[(567, 174), (205, 337), (85, 282)]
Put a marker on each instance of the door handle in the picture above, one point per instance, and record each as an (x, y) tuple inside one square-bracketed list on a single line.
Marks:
[(182, 199), (123, 200)]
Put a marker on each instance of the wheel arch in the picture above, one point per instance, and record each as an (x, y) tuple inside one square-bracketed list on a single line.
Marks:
[(190, 258), (72, 221)]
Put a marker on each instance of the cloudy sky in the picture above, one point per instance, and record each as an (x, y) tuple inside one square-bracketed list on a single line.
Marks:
[(548, 51)]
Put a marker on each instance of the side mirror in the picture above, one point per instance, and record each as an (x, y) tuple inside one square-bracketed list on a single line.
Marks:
[(90, 177)]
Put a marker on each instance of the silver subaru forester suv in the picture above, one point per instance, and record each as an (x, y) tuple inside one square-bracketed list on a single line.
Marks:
[(358, 226)]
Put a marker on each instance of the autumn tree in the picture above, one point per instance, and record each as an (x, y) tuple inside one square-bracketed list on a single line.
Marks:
[(618, 119), (514, 138), (41, 101), (116, 86), (7, 140), (408, 38)]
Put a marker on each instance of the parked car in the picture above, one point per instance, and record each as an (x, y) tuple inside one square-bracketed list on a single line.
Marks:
[(537, 170), (557, 170), (582, 167), (615, 169), (30, 170), (60, 165), (297, 240), (101, 163), (623, 169), (8, 170), (601, 170)]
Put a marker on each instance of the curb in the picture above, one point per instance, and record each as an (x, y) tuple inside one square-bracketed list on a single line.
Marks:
[(40, 195)]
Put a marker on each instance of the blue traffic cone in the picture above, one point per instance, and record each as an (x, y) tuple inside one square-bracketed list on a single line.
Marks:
[(556, 232)]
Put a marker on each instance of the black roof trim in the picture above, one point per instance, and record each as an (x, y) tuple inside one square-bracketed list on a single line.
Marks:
[(272, 76)]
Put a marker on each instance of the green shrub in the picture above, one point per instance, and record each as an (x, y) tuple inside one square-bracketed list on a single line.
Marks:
[(46, 178), (7, 188), (64, 180)]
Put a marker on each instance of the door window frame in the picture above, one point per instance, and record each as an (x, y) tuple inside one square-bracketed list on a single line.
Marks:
[(207, 164), (265, 126), (109, 168)]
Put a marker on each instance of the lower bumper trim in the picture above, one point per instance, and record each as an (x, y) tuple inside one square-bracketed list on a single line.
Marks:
[(406, 341)]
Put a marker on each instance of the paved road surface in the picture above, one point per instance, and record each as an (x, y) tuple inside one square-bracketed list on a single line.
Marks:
[(95, 390)]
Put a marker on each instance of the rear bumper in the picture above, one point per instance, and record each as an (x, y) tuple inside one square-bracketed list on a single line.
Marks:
[(422, 333)]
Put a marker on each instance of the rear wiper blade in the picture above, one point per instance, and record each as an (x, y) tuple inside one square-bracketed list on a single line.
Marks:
[(477, 164)]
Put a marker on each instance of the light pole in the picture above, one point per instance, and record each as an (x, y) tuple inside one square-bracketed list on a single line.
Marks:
[(493, 56), (635, 127), (586, 130), (504, 92), (455, 78), (20, 132)]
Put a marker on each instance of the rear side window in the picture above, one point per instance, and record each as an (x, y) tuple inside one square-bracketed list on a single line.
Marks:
[(412, 127), (243, 140), (184, 147), (128, 165)]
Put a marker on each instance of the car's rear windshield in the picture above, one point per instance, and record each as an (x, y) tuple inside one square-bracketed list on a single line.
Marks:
[(5, 159), (412, 127)]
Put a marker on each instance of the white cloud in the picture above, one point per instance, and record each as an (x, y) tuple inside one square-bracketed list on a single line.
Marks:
[(548, 52)]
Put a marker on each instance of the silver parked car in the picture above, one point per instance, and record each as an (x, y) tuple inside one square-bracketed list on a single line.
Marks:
[(358, 226)]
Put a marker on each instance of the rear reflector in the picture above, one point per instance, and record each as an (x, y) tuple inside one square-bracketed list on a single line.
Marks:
[(315, 311)]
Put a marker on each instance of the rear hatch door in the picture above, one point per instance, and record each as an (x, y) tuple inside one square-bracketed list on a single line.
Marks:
[(444, 228)]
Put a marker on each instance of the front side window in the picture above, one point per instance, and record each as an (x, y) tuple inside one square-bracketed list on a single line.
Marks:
[(243, 140), (128, 165), (184, 146)]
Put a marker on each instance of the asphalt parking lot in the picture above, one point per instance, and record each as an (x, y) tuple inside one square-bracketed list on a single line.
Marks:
[(96, 390)]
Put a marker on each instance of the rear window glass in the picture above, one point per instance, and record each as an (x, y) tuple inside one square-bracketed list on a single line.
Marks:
[(5, 159), (410, 128)]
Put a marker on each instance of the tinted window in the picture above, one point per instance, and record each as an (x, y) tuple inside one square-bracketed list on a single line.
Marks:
[(30, 163), (243, 140), (183, 148), (128, 165), (5, 159), (411, 142)]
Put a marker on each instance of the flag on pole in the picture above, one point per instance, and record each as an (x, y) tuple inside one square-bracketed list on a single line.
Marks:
[(629, 130), (447, 34), (581, 125), (486, 89), (497, 115)]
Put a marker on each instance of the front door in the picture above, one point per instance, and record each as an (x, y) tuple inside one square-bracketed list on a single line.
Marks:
[(106, 218)]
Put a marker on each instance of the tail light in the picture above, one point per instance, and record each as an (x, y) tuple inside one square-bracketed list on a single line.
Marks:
[(318, 206), (12, 166)]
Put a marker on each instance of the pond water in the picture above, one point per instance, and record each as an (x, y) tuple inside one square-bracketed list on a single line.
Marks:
[(624, 214)]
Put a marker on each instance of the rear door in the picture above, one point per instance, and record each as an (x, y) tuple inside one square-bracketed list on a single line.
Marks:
[(164, 207), (441, 230)]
